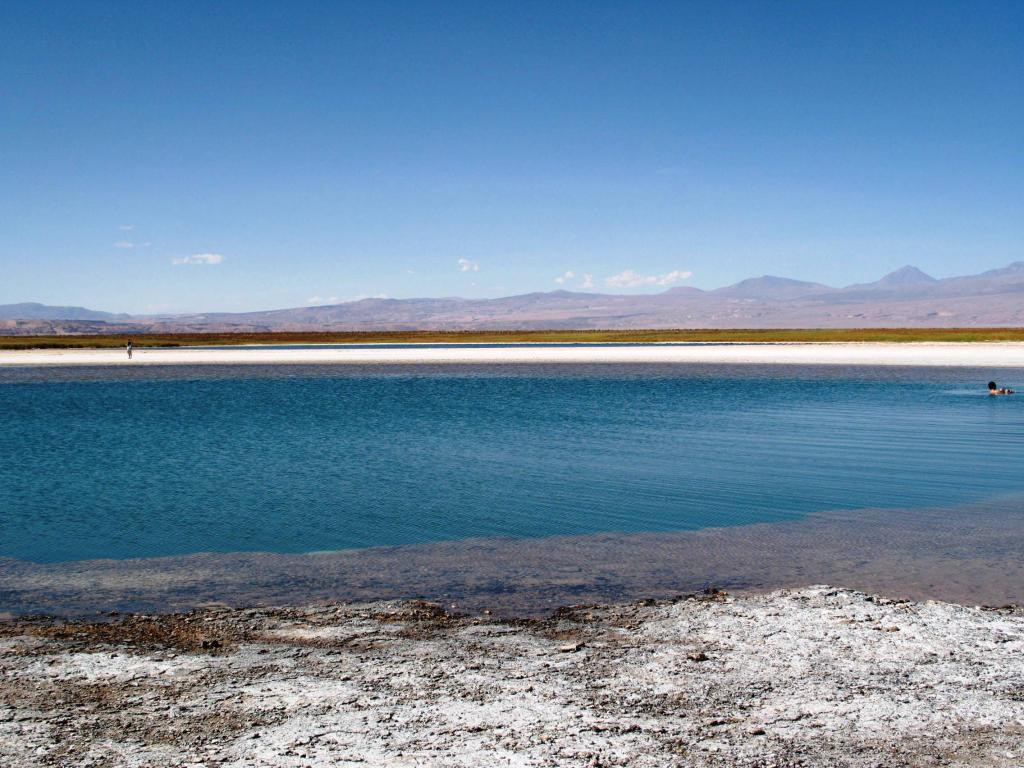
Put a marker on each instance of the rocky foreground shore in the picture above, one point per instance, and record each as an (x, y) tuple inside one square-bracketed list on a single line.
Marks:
[(816, 676)]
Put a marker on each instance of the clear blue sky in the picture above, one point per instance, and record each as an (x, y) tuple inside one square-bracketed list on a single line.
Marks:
[(341, 150)]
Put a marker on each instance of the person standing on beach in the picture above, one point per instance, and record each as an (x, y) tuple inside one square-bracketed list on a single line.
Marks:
[(128, 347)]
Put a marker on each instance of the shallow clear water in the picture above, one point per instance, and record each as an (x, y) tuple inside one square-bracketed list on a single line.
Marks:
[(104, 463)]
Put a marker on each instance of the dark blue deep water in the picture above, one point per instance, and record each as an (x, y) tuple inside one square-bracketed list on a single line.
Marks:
[(161, 461)]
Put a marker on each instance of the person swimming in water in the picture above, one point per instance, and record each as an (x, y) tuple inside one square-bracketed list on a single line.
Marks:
[(993, 389)]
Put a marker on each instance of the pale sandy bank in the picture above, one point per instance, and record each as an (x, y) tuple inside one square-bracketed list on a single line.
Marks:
[(810, 677), (996, 354)]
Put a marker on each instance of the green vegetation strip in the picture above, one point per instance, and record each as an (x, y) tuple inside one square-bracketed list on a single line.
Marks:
[(487, 337)]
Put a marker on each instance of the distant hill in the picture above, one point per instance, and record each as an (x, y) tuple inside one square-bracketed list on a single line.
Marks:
[(905, 298), (34, 311), (907, 275), (901, 278), (770, 287)]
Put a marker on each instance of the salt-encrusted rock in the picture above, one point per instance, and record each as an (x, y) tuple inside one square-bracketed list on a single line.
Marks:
[(817, 676)]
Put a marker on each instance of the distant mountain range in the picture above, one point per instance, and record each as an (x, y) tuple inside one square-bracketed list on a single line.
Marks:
[(33, 311), (905, 298)]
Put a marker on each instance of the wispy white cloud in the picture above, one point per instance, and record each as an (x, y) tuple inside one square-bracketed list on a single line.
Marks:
[(563, 279), (128, 244), (632, 279), (364, 296), (320, 300), (199, 258), (465, 265), (584, 281), (126, 227)]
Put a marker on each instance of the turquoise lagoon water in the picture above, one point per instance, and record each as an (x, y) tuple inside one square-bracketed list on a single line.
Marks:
[(127, 463)]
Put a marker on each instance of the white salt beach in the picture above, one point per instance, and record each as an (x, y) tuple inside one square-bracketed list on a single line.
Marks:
[(975, 354), (815, 676)]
